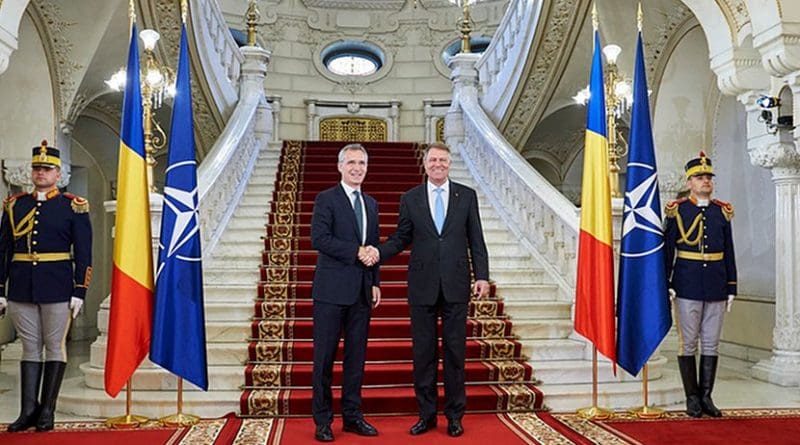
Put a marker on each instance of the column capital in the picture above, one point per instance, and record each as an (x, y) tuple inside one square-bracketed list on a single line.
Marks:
[(778, 155)]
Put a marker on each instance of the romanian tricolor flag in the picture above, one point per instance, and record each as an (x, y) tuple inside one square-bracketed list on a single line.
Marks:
[(594, 292), (132, 271)]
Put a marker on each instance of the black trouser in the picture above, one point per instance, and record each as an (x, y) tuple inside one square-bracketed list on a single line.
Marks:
[(426, 356), (329, 322)]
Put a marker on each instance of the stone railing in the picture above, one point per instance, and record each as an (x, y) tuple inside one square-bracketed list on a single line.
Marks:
[(218, 53), (539, 215), (500, 70), (223, 175)]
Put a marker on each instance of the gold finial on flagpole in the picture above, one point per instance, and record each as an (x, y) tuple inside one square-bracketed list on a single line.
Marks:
[(639, 17), (595, 22), (184, 10)]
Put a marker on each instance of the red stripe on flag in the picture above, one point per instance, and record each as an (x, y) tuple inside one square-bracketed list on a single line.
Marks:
[(594, 302), (129, 341)]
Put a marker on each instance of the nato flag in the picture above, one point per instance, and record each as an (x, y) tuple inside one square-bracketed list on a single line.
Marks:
[(179, 335), (643, 303)]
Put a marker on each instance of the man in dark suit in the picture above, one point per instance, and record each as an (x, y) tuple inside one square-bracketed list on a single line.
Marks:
[(440, 221), (344, 291)]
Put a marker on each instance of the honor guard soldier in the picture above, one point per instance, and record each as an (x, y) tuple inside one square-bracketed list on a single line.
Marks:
[(701, 269), (45, 269)]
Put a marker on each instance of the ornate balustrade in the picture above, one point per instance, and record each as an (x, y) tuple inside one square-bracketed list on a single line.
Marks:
[(218, 53), (499, 69), (540, 216)]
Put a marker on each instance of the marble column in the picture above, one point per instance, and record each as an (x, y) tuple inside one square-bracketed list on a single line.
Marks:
[(777, 152), (465, 85)]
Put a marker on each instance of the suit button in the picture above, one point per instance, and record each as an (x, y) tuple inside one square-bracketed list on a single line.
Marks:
[(34, 242), (34, 263), (705, 265), (38, 204), (36, 221), (35, 232), (37, 212)]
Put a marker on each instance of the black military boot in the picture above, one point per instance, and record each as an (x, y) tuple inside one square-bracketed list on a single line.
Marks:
[(53, 374), (688, 366), (708, 373), (30, 375)]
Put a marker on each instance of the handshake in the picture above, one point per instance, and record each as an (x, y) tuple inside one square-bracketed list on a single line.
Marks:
[(368, 255)]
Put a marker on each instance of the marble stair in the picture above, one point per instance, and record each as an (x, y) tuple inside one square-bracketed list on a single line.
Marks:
[(230, 279), (541, 313)]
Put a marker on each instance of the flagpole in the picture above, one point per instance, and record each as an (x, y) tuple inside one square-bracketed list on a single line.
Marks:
[(128, 421), (595, 412), (646, 411), (179, 418)]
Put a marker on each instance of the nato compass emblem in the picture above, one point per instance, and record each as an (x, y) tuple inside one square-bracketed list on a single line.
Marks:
[(641, 226), (181, 229)]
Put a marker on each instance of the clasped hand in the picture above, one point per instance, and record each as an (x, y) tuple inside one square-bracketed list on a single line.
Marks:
[(368, 255)]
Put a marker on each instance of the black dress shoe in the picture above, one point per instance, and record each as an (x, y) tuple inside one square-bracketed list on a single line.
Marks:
[(454, 428), (361, 427), (323, 433), (422, 425)]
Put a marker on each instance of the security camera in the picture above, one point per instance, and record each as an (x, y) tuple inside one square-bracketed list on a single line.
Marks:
[(768, 102)]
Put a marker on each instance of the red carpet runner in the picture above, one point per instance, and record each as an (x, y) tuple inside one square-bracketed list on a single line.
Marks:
[(278, 375)]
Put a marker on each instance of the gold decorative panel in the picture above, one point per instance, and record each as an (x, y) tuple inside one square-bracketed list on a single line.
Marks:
[(353, 129), (440, 130)]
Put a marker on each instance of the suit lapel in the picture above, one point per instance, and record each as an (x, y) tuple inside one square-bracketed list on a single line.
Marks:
[(425, 208), (344, 200), (451, 206)]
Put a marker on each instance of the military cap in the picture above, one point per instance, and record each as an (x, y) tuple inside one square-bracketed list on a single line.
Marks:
[(46, 156), (700, 165)]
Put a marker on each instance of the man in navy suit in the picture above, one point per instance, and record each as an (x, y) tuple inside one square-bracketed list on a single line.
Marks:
[(344, 291), (440, 220)]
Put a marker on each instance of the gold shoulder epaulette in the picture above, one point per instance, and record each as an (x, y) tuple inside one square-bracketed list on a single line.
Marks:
[(671, 209), (9, 201), (79, 205), (727, 208)]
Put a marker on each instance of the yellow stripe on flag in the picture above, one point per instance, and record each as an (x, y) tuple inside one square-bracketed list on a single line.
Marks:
[(596, 191)]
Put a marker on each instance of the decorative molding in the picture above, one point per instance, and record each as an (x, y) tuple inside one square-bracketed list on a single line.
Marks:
[(52, 28), (389, 5), (550, 51), (735, 13), (775, 155)]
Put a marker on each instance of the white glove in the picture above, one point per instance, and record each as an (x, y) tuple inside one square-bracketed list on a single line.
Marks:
[(3, 306), (730, 302), (672, 294), (75, 305)]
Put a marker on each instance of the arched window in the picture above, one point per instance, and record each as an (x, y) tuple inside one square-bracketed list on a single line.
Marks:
[(352, 58)]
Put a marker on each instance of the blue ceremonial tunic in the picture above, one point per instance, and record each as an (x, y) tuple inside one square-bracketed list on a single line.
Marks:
[(699, 252), (45, 248)]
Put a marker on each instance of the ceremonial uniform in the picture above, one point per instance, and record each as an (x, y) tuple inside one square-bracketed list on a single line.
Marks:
[(701, 270), (45, 270)]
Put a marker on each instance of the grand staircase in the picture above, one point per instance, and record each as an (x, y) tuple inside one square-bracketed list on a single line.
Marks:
[(278, 376)]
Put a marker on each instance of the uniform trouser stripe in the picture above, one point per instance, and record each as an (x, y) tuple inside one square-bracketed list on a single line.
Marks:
[(41, 325)]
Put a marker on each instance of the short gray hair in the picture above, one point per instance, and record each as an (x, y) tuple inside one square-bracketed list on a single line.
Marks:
[(352, 147), (436, 145)]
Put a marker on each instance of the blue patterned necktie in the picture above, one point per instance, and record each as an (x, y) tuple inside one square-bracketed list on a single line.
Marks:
[(359, 215), (438, 210)]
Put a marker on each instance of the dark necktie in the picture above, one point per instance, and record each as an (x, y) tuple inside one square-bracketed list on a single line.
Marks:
[(359, 215)]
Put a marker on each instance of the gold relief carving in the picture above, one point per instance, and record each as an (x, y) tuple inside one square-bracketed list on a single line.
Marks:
[(284, 218), (510, 371), (485, 309), (263, 402), (282, 231), (500, 348), (278, 275), (353, 129), (268, 329), (287, 187), (268, 351), (266, 375), (280, 245), (491, 328), (520, 397), (286, 197), (276, 291), (278, 259), (440, 130), (273, 309), (286, 207)]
